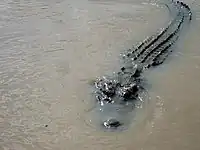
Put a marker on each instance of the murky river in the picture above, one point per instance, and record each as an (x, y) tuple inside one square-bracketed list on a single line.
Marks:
[(51, 50)]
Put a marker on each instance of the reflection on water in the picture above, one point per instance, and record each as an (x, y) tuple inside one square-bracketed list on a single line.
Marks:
[(51, 50)]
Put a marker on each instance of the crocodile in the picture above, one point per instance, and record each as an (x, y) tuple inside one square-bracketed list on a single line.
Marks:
[(124, 87)]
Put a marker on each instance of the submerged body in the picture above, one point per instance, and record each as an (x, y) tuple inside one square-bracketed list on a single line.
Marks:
[(124, 88)]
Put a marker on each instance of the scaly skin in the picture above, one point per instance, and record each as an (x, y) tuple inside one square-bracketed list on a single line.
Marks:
[(126, 85)]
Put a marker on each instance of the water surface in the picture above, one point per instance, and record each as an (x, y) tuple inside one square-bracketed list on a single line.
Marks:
[(51, 50)]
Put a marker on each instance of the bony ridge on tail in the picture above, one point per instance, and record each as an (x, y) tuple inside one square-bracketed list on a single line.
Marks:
[(126, 85)]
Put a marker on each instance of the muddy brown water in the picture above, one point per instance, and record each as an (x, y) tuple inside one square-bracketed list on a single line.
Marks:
[(51, 50)]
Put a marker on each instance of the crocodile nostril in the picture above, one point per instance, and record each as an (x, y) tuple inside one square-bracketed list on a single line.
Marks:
[(111, 123)]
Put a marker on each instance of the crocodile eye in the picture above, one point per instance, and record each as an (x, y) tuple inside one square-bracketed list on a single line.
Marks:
[(128, 55), (123, 68), (128, 91)]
